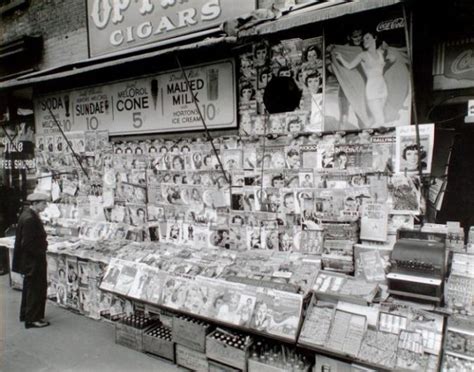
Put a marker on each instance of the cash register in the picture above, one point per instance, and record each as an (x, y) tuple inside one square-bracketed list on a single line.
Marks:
[(418, 265)]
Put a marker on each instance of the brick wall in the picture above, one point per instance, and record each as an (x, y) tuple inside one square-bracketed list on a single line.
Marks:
[(62, 23)]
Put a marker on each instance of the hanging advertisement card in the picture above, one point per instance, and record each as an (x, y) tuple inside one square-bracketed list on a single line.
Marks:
[(368, 82)]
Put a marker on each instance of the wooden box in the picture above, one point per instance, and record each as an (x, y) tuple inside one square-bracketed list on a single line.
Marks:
[(257, 366), (218, 367), (190, 332), (191, 359), (129, 336), (157, 340), (227, 353)]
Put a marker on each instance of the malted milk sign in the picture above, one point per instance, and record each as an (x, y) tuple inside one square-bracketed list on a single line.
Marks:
[(153, 104), (120, 24)]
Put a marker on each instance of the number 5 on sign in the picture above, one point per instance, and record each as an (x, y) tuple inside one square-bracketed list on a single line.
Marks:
[(137, 119)]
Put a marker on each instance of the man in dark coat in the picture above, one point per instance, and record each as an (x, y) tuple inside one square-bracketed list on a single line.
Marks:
[(29, 259)]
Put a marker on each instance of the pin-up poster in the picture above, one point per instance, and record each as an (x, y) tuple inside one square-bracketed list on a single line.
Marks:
[(368, 81)]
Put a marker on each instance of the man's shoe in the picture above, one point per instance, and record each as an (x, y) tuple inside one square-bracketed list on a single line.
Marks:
[(37, 324)]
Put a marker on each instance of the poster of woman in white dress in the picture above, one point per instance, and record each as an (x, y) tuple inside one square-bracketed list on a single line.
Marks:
[(368, 55)]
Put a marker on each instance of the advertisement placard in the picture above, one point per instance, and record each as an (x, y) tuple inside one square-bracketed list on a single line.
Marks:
[(153, 104)]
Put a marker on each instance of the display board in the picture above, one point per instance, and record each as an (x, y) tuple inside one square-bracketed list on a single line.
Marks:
[(152, 104)]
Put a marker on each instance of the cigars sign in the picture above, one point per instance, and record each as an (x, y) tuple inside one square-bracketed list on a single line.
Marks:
[(120, 24), (453, 65), (154, 104)]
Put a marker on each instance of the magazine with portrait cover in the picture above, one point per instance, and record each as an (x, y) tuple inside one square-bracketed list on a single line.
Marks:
[(59, 144), (404, 194), (173, 293), (383, 150), (254, 237), (293, 158), (373, 222), (237, 238), (137, 213), (409, 154), (237, 178), (111, 275), (126, 278), (286, 239), (72, 272), (277, 313), (306, 178), (155, 212), (325, 157), (268, 200), (90, 138), (174, 231), (84, 301), (49, 143), (276, 124), (232, 159), (273, 178), (247, 118), (232, 303), (140, 280), (270, 238), (83, 269), (304, 196)]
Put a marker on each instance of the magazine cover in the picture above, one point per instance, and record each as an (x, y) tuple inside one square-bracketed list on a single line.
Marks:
[(277, 313), (309, 156), (173, 294), (293, 160), (409, 154), (353, 157), (111, 275), (325, 156), (404, 194), (373, 223), (309, 241), (383, 150), (126, 278), (137, 213), (368, 84)]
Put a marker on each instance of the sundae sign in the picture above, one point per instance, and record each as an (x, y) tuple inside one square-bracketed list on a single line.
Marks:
[(120, 24)]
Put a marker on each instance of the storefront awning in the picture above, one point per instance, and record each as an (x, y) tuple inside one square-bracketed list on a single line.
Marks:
[(95, 65), (320, 12)]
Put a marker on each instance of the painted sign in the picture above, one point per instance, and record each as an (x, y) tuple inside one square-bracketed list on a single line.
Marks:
[(453, 65), (153, 104), (122, 24)]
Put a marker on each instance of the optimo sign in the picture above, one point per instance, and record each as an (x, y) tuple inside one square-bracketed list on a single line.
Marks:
[(120, 24), (153, 104)]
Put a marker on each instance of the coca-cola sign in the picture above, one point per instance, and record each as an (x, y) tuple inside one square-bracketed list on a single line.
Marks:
[(391, 24), (463, 63), (454, 64)]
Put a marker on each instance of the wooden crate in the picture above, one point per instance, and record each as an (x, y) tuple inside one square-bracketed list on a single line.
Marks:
[(257, 366), (162, 347), (224, 353), (218, 367), (129, 336), (191, 359), (190, 332)]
